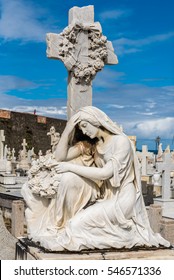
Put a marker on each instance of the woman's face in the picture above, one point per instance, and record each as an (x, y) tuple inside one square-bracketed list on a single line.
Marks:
[(88, 129)]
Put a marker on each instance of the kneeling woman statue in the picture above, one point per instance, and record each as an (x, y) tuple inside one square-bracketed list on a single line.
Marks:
[(97, 201)]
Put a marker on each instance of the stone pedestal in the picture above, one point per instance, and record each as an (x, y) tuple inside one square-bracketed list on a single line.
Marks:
[(7, 179), (167, 206), (167, 229), (23, 164), (25, 251), (155, 216), (147, 191), (3, 163), (21, 179), (172, 192), (17, 218), (7, 242)]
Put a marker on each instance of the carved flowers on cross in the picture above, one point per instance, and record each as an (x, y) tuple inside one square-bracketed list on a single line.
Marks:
[(97, 51)]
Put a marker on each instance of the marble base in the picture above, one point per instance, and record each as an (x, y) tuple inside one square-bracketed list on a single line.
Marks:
[(3, 163), (24, 165), (25, 251), (21, 179), (167, 207), (172, 193), (11, 187), (7, 179)]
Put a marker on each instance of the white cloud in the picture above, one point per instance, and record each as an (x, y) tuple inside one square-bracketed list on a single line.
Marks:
[(126, 46), (151, 128), (42, 107), (22, 20), (137, 107), (8, 83), (114, 14), (116, 106), (51, 111), (150, 103), (146, 113), (107, 78)]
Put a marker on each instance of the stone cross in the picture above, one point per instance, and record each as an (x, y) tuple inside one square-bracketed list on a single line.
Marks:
[(167, 150), (40, 153), (13, 155), (24, 144), (2, 140), (166, 167), (145, 155), (84, 51), (5, 152)]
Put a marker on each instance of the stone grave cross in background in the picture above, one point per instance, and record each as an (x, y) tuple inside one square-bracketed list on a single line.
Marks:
[(166, 167), (24, 145), (145, 155), (84, 51), (2, 140)]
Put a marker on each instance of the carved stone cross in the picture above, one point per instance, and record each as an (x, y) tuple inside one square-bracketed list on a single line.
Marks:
[(24, 145), (2, 140), (145, 155), (84, 51), (166, 167), (13, 155)]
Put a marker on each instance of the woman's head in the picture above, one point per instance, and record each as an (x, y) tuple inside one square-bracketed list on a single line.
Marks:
[(94, 119), (89, 129)]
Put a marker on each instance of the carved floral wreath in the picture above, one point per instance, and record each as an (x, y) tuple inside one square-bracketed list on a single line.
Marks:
[(97, 51), (42, 177)]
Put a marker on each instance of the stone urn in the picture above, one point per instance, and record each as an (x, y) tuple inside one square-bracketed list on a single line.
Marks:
[(156, 180)]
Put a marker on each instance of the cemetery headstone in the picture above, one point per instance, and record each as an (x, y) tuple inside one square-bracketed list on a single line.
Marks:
[(166, 167), (2, 160)]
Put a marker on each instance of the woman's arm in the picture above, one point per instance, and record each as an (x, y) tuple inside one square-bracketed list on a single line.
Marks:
[(73, 152), (93, 173), (63, 145)]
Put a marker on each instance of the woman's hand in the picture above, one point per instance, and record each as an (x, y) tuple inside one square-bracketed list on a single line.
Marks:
[(63, 145), (72, 123), (63, 167)]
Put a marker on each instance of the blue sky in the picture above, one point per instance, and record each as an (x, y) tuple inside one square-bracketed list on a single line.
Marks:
[(138, 93)]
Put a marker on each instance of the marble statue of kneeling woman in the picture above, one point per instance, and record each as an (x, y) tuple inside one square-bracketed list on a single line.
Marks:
[(53, 198), (117, 217)]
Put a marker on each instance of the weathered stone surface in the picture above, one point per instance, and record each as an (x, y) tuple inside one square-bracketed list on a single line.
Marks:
[(142, 255), (7, 241), (145, 155), (23, 125), (7, 179), (17, 218), (5, 114), (166, 227), (167, 206), (2, 140), (34, 253), (165, 168), (84, 51), (155, 216), (147, 191), (84, 14)]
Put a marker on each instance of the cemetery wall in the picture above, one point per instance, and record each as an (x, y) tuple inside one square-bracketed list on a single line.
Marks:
[(33, 128)]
